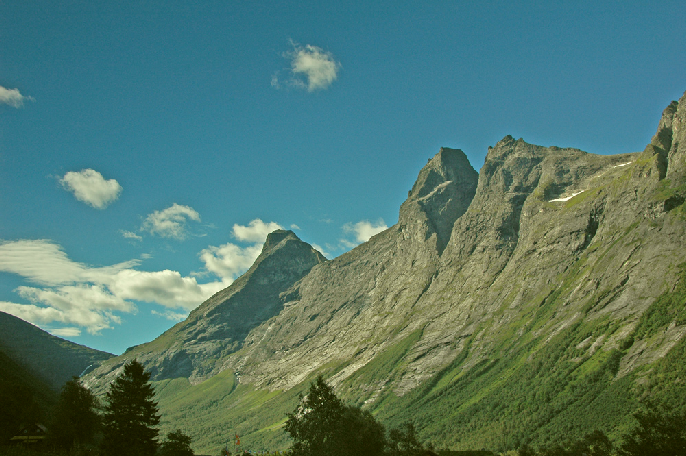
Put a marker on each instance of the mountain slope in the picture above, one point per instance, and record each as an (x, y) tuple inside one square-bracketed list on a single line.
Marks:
[(196, 347), (529, 302), (52, 359)]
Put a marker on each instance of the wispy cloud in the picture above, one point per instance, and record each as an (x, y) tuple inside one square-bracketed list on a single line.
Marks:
[(131, 235), (78, 295), (44, 262), (13, 97), (169, 315), (170, 222), (91, 188), (321, 250), (311, 68), (89, 297), (65, 332)]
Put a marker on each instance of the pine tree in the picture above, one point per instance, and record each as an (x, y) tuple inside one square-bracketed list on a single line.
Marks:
[(131, 414), (75, 420), (177, 444), (323, 425)]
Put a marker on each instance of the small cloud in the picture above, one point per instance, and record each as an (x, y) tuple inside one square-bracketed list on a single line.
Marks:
[(170, 222), (365, 229), (170, 315), (295, 227), (65, 332), (131, 235), (91, 188), (312, 68), (228, 261), (12, 97), (321, 250), (256, 231)]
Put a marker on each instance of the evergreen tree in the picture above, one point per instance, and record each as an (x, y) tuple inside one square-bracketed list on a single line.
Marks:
[(322, 425), (177, 444), (131, 414), (657, 434), (403, 441), (75, 420)]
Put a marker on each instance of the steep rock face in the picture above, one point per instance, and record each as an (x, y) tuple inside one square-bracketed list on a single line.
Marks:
[(349, 308), (219, 326), (442, 193)]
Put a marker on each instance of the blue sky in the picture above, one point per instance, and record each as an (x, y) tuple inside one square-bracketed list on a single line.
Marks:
[(148, 147)]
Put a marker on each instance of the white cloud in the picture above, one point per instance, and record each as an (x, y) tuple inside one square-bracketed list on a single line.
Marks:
[(167, 288), (321, 250), (82, 298), (364, 229), (171, 222), (44, 262), (294, 226), (90, 297), (12, 97), (169, 315), (88, 306), (91, 188), (256, 231), (31, 313), (65, 332), (311, 68), (78, 295), (131, 235), (228, 261)]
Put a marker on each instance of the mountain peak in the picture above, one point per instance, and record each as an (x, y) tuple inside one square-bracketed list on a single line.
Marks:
[(277, 236), (441, 194)]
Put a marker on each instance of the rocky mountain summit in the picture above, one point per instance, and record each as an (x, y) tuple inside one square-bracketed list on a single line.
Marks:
[(512, 305), (220, 325)]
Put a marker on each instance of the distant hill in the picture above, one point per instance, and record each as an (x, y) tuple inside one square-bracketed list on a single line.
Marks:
[(50, 359), (24, 398), (531, 302)]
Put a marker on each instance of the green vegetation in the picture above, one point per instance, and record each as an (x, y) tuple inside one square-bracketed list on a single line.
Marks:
[(75, 420), (322, 424), (177, 444), (23, 398), (667, 309), (131, 414)]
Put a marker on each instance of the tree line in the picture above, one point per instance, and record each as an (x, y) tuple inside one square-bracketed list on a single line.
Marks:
[(321, 425), (126, 425)]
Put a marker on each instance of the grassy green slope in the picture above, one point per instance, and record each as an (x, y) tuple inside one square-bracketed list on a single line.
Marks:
[(213, 411)]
